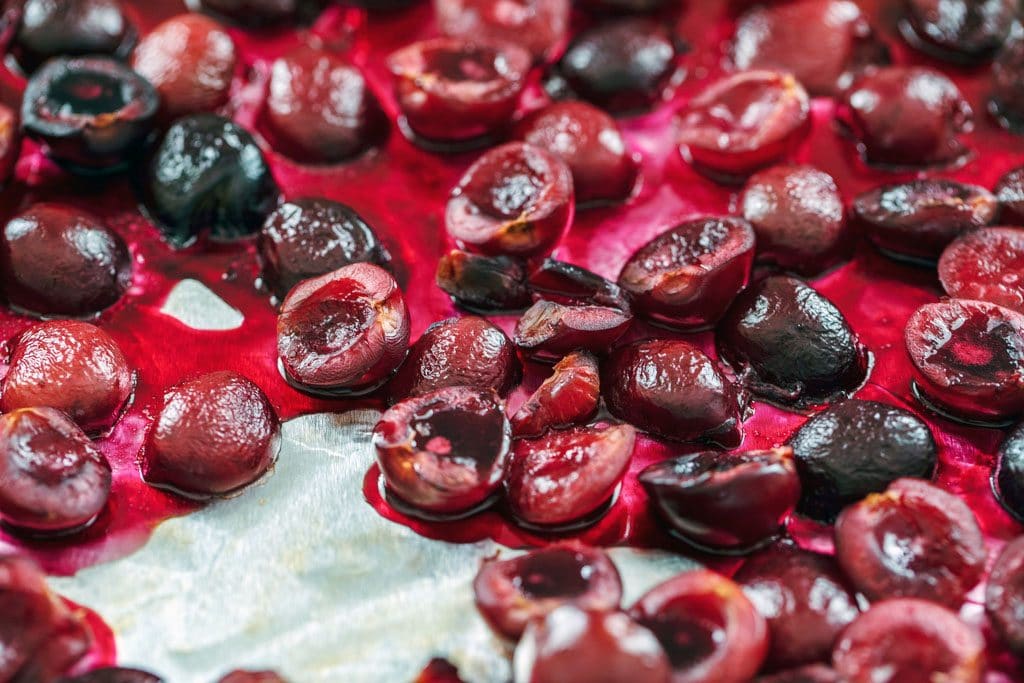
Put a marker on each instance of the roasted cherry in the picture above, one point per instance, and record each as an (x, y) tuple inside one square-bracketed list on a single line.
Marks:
[(549, 330), (540, 26), (569, 284), (673, 390), (963, 31), (805, 599), (791, 345), (455, 90), (190, 60), (1007, 99), (744, 122), (1010, 193), (516, 200), (968, 358), (10, 142), (565, 477), (986, 265), (307, 238), (907, 117), (343, 332), (91, 114), (912, 541), (591, 144), (510, 593), (812, 673), (709, 629), (724, 502), (71, 28), (213, 435), (208, 173), (856, 448), (468, 351), (59, 260), (910, 641), (115, 674), (572, 644), (798, 216), (263, 12), (483, 283), (687, 276), (917, 219), (1004, 596), (444, 453), (72, 366), (1008, 475), (569, 396)]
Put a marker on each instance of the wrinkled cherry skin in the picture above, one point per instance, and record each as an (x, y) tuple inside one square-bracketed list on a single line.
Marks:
[(805, 599), (467, 351), (539, 26), (812, 673), (548, 330), (910, 641), (57, 260), (958, 31), (590, 142), (709, 629), (512, 592), (263, 12), (213, 435), (565, 283), (1010, 193), (483, 283), (72, 366), (673, 390), (906, 117), (569, 396), (983, 265), (912, 541), (791, 345), (687, 276), (1008, 474), (115, 675), (856, 448), (572, 644), (1006, 102), (51, 28), (1004, 596), (10, 142), (724, 502), (343, 332)]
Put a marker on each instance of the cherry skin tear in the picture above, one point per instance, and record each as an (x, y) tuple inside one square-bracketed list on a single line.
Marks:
[(1008, 474), (483, 283), (115, 675), (569, 396), (1004, 596), (986, 265), (72, 28), (539, 26), (958, 31), (548, 330)]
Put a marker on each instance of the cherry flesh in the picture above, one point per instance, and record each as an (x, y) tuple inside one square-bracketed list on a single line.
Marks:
[(1008, 475), (569, 396), (483, 283), (548, 330), (985, 265), (10, 143), (71, 28), (1004, 596), (1006, 102), (812, 673), (959, 31), (115, 675), (570, 284), (539, 26)]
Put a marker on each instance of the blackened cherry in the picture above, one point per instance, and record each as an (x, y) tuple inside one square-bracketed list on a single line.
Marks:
[(569, 396), (54, 28), (115, 674), (1008, 475), (1004, 596), (483, 283), (1010, 193), (540, 26), (987, 265), (566, 283), (960, 31), (548, 330)]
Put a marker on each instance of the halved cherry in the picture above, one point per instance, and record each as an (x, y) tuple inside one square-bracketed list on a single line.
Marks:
[(55, 28), (539, 26), (812, 673), (483, 283), (1006, 102), (446, 452), (673, 390), (687, 276), (548, 330), (1004, 596), (959, 31), (510, 593), (708, 627), (570, 284), (1008, 475), (569, 396), (516, 199), (115, 674), (744, 122), (344, 332), (1010, 193), (565, 477), (910, 641), (987, 265), (968, 359)]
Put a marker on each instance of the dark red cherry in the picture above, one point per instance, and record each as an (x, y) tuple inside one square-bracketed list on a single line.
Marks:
[(512, 592), (987, 265), (565, 477), (673, 390), (115, 675), (539, 26), (457, 90), (54, 28), (343, 332), (687, 276), (213, 435), (590, 142), (1006, 101), (798, 216), (744, 122), (483, 283), (241, 676), (791, 345), (1008, 475), (968, 359), (572, 644), (959, 31), (918, 219), (569, 284), (625, 6), (72, 366), (724, 502), (446, 452), (812, 673), (516, 200), (856, 448), (263, 13), (1004, 596), (439, 670), (709, 629), (805, 599), (905, 116), (1010, 193), (569, 396), (10, 142), (910, 641), (190, 60), (548, 330), (307, 238), (468, 351)]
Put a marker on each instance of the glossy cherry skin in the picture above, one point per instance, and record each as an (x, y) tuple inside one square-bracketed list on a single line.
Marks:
[(343, 332), (791, 345), (959, 31), (983, 265), (213, 435), (446, 452), (1008, 474), (711, 632), (565, 477), (512, 592), (572, 644), (1010, 193), (812, 673), (565, 283), (1004, 595), (548, 330), (53, 28), (569, 396), (483, 283), (687, 276), (72, 366), (10, 142), (539, 26), (115, 675), (673, 390), (910, 641), (1006, 101), (263, 13), (855, 448)]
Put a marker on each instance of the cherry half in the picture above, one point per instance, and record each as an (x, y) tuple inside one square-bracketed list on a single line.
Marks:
[(71, 28), (549, 330), (1004, 596), (569, 284), (987, 265), (483, 283), (958, 31), (539, 26), (571, 395)]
